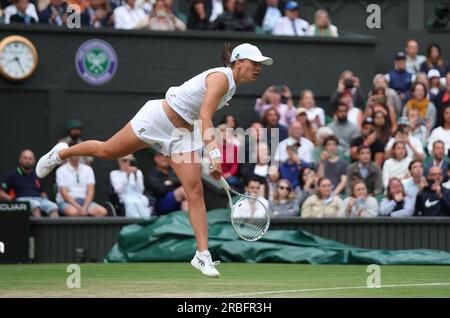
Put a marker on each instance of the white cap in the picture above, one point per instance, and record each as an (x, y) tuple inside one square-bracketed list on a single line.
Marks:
[(251, 52), (433, 73)]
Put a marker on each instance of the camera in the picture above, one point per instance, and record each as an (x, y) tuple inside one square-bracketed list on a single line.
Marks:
[(428, 187), (348, 83)]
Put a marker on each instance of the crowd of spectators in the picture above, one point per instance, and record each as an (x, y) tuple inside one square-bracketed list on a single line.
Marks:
[(270, 16)]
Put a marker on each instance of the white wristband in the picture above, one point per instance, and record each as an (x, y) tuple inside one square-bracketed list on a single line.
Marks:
[(215, 153)]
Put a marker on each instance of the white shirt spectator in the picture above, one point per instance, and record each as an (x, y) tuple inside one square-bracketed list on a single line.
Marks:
[(12, 10), (305, 151), (316, 111), (415, 143), (394, 168), (76, 181), (285, 26), (120, 179), (250, 208), (271, 18), (216, 10), (441, 134), (413, 66), (128, 18)]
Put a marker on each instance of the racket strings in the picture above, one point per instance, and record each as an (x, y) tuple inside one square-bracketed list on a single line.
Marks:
[(250, 218)]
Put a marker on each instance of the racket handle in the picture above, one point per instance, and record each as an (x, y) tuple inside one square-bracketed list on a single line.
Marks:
[(224, 183)]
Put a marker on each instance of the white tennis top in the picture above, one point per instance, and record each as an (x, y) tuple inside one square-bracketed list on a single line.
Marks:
[(187, 99)]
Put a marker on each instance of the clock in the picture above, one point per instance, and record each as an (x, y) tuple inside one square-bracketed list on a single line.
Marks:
[(18, 58)]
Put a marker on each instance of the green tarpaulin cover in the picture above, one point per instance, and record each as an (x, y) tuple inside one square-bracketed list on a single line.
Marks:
[(170, 238)]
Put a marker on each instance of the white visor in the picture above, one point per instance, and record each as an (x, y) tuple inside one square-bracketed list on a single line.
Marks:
[(251, 52)]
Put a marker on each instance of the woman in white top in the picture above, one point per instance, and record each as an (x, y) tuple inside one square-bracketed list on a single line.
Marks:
[(397, 165), (128, 184), (169, 123)]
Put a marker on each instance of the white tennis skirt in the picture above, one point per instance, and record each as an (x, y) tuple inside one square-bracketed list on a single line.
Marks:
[(152, 125)]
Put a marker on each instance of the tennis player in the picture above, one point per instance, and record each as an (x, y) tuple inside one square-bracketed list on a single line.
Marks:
[(154, 124)]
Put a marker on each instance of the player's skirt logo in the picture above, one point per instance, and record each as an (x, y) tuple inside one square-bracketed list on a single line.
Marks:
[(96, 62)]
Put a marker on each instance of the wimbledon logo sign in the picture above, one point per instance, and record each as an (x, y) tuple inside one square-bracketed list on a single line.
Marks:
[(96, 62)]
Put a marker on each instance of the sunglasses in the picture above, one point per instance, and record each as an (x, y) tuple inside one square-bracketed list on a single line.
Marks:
[(284, 188), (125, 160)]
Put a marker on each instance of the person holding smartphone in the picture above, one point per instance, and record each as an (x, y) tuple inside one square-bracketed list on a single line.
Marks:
[(433, 199)]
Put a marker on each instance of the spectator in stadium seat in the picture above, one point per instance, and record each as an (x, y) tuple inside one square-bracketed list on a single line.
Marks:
[(22, 184), (214, 8), (27, 12), (434, 83), (272, 98), (435, 60), (323, 204), (417, 126), (397, 165), (165, 186), (382, 126), (316, 114), (99, 14), (377, 102), (284, 202), (162, 18), (76, 190), (273, 176), (129, 17), (229, 160), (74, 132), (235, 20), (413, 59), (344, 130), (396, 203), (442, 132), (260, 169), (392, 98), (128, 183), (434, 198), (21, 16), (366, 170), (399, 78), (267, 14), (307, 181), (438, 159), (369, 139), (354, 114), (198, 18), (412, 185), (55, 13), (331, 167), (322, 25), (322, 134), (303, 146), (254, 187), (348, 82), (290, 168), (309, 129), (271, 121), (252, 137), (414, 147), (444, 97), (291, 24), (420, 101), (360, 203)]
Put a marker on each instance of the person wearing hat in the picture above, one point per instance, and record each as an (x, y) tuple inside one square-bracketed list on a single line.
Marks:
[(74, 130), (309, 129), (369, 139), (434, 84), (180, 125), (400, 79), (414, 148), (291, 24)]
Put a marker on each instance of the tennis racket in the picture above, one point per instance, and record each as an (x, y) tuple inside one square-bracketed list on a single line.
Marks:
[(249, 216)]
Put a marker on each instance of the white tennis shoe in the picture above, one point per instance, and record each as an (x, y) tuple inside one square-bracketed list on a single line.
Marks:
[(203, 262), (50, 160)]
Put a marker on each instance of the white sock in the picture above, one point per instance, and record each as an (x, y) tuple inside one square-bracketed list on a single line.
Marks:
[(203, 253)]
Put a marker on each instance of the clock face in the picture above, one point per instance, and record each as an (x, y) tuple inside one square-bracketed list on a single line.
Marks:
[(18, 59)]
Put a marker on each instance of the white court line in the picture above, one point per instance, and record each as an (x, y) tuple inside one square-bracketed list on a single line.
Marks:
[(331, 288)]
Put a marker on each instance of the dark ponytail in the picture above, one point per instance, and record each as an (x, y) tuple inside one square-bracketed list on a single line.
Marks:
[(225, 56)]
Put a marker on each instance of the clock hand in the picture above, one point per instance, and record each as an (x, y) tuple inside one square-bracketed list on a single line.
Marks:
[(20, 64)]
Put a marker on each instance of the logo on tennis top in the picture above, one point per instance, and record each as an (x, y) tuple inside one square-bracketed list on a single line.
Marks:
[(140, 131), (96, 62)]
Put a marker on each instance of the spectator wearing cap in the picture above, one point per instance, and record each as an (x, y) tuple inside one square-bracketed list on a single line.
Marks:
[(74, 132), (316, 114), (76, 190), (291, 24), (397, 165), (234, 20), (434, 84), (331, 166), (420, 101), (303, 146), (322, 25), (273, 98), (267, 14), (365, 169), (348, 83), (22, 184), (414, 148), (438, 158), (309, 129), (435, 60), (342, 128), (442, 132), (369, 139), (400, 79), (413, 59)]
